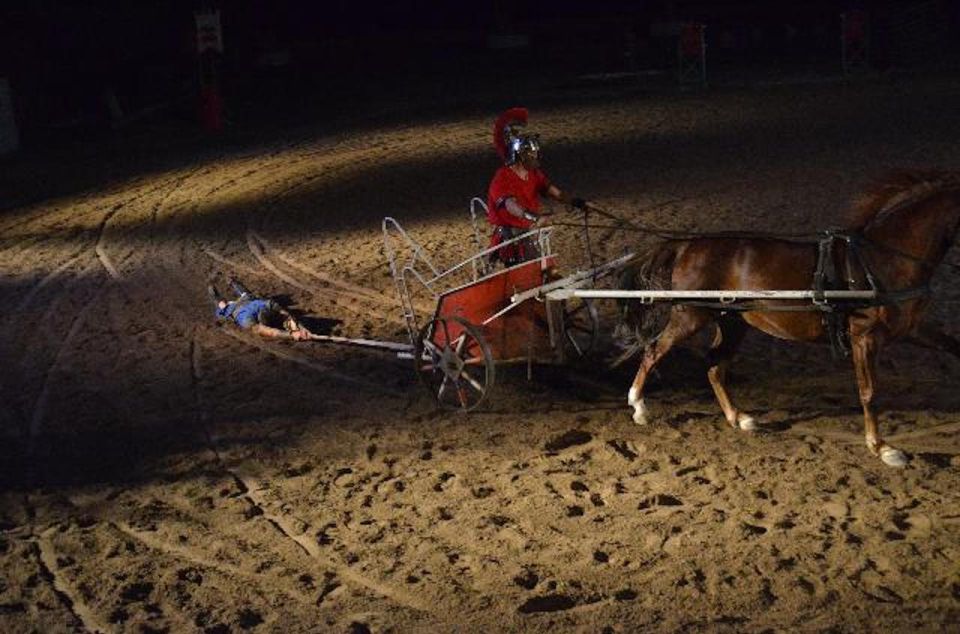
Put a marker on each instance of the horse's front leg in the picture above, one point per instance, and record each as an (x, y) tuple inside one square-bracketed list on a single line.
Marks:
[(730, 333), (865, 348), (683, 323)]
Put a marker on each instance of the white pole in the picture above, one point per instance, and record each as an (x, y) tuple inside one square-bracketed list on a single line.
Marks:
[(366, 343), (721, 296)]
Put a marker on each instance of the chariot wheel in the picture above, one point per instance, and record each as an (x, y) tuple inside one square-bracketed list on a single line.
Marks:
[(581, 327), (454, 363)]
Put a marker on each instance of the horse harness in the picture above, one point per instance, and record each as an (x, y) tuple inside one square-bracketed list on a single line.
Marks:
[(839, 259), (835, 247)]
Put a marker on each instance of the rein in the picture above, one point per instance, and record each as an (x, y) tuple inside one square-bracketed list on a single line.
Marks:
[(801, 238), (796, 238)]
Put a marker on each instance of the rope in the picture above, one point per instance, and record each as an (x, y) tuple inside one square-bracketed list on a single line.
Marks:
[(622, 224), (801, 238), (797, 238)]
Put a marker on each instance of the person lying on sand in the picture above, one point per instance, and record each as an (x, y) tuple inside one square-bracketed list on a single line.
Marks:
[(256, 314)]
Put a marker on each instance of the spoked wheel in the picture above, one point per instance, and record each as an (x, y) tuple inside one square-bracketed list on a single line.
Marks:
[(581, 326), (454, 363)]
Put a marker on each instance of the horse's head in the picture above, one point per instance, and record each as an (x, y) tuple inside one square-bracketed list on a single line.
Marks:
[(639, 324)]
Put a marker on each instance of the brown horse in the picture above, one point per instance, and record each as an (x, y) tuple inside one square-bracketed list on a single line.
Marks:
[(904, 226)]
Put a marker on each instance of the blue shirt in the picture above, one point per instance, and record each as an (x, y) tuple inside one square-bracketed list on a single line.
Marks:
[(246, 314)]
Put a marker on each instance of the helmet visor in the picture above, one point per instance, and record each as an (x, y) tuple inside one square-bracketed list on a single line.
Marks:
[(530, 148)]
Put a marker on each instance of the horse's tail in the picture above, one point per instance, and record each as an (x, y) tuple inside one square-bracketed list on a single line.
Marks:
[(651, 268), (640, 324), (658, 270)]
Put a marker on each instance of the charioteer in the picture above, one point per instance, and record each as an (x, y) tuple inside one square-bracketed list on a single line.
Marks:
[(513, 204)]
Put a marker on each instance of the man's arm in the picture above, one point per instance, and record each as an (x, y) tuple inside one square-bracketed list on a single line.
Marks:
[(577, 203), (514, 209), (270, 333), (300, 334)]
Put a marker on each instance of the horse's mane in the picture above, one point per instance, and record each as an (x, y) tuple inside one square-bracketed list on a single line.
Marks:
[(900, 187)]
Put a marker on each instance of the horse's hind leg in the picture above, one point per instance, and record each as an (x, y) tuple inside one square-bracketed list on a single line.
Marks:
[(730, 332), (865, 348), (683, 323)]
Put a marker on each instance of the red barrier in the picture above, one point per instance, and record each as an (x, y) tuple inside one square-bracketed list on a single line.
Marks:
[(855, 40), (855, 26), (691, 40), (692, 53), (211, 109)]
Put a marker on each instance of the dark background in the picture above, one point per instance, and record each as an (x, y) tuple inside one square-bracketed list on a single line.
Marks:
[(67, 59)]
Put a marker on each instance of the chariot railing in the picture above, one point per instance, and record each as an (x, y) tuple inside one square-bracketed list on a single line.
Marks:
[(414, 271)]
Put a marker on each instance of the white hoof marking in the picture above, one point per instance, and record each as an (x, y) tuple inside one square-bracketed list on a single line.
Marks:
[(639, 408), (746, 422), (893, 457)]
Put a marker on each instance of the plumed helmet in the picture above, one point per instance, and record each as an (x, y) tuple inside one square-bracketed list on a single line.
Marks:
[(509, 137)]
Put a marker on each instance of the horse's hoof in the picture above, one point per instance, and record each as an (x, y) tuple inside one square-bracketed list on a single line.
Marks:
[(639, 410), (640, 413), (635, 401), (746, 422), (893, 457)]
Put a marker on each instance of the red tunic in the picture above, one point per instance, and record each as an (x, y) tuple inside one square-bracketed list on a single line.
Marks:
[(507, 184)]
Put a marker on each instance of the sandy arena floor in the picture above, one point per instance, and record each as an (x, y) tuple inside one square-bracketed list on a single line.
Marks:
[(161, 473)]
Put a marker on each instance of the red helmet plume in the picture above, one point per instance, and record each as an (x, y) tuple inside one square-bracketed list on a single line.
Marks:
[(513, 116)]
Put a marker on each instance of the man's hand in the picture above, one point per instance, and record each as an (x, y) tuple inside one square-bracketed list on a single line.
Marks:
[(300, 335)]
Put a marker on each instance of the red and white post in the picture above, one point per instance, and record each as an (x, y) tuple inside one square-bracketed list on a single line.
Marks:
[(692, 54)]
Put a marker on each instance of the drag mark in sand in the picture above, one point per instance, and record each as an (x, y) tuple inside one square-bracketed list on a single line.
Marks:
[(237, 266), (176, 183), (47, 279), (310, 546), (313, 365), (99, 248), (47, 559), (195, 557), (40, 409), (259, 251), (283, 525), (346, 288)]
